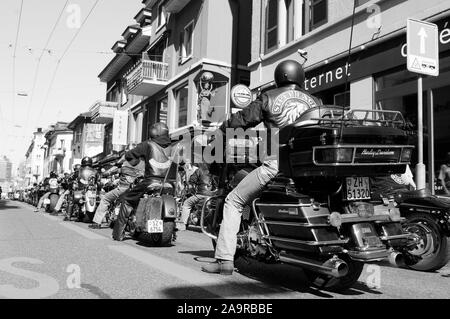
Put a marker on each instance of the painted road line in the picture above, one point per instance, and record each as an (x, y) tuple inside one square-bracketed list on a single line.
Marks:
[(83, 232), (211, 283)]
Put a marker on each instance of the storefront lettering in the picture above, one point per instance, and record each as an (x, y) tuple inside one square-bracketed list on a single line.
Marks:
[(327, 77), (444, 38)]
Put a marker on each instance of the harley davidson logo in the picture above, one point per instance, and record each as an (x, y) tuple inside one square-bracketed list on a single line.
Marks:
[(377, 152)]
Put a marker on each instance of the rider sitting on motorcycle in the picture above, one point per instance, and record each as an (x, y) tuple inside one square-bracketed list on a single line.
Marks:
[(157, 153), (47, 194), (275, 108), (204, 186), (128, 174)]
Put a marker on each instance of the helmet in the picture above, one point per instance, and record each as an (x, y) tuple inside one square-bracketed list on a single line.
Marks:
[(159, 129), (289, 72), (86, 161), (53, 175), (76, 168)]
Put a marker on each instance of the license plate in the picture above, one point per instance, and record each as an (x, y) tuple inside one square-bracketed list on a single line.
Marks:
[(155, 226), (46, 201), (358, 188)]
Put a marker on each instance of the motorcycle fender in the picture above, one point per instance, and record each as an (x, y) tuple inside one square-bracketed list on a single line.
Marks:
[(169, 207), (442, 217)]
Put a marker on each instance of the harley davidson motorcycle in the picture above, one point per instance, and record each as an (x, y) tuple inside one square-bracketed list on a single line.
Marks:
[(52, 200), (318, 213), (153, 221)]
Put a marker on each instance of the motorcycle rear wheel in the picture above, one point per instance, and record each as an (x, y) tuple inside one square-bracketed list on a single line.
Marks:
[(432, 252), (53, 201), (329, 283), (161, 240)]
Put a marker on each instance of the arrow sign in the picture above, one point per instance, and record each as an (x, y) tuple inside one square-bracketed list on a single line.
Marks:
[(423, 47), (423, 37)]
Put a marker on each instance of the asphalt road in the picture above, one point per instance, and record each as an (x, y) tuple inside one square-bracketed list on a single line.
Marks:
[(43, 257)]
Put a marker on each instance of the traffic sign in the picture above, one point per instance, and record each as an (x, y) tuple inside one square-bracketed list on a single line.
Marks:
[(423, 47)]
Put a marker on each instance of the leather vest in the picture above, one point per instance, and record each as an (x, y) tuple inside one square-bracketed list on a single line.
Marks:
[(286, 104), (160, 161)]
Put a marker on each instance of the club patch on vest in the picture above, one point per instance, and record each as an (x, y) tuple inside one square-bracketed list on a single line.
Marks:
[(291, 104)]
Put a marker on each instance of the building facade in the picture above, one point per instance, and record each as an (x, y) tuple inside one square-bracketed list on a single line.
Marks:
[(178, 63), (5, 169), (58, 151), (34, 159), (374, 75)]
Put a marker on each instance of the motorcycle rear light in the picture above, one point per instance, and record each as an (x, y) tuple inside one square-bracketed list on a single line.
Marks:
[(406, 155), (334, 155)]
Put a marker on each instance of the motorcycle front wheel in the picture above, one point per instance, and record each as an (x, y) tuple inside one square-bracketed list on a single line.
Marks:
[(432, 251), (332, 284)]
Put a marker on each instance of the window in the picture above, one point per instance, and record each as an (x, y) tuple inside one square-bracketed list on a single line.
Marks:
[(186, 42), (319, 13), (62, 142), (162, 110), (161, 14), (271, 25), (182, 105)]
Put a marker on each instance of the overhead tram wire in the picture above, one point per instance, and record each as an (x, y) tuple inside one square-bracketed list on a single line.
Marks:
[(36, 72), (62, 57), (14, 61)]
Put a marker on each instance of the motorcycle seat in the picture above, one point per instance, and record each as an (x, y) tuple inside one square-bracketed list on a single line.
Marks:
[(157, 186)]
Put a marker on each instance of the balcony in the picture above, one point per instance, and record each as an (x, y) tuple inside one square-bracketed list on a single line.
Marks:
[(175, 6), (147, 77), (103, 112), (59, 152)]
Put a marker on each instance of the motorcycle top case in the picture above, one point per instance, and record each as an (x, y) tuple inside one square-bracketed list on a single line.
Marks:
[(336, 147)]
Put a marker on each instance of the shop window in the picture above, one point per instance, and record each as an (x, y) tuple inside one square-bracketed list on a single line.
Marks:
[(182, 106), (318, 13), (186, 46), (271, 25)]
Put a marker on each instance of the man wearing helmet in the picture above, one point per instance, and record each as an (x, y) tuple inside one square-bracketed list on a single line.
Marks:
[(157, 154), (128, 174), (47, 194), (275, 108)]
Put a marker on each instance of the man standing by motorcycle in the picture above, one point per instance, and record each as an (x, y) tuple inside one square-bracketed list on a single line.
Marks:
[(275, 108), (156, 153), (127, 176)]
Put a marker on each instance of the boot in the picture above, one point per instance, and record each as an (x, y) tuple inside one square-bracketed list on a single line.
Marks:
[(121, 222), (223, 267)]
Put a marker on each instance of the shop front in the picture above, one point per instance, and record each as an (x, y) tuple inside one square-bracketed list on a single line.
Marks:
[(376, 77)]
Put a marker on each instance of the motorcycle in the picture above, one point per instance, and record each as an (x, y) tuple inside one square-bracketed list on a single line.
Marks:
[(428, 217), (153, 221), (318, 213), (52, 200)]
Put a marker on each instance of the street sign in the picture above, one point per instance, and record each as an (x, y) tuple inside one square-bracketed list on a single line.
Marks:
[(423, 47)]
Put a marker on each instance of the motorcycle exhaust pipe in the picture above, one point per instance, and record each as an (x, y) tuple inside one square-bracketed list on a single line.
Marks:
[(334, 267), (397, 259)]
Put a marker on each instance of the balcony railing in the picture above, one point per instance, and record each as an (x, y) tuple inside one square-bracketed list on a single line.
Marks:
[(147, 77), (103, 112)]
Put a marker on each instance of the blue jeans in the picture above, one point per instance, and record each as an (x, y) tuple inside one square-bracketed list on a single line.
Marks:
[(247, 190), (107, 201)]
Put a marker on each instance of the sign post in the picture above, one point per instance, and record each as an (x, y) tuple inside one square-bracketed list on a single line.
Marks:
[(422, 58)]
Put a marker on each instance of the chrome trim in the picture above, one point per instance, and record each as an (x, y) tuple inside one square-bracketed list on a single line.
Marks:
[(308, 225), (393, 237), (284, 205), (355, 218), (334, 267), (373, 255), (310, 243), (354, 147)]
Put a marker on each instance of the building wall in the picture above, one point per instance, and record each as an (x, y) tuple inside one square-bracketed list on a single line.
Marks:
[(337, 32)]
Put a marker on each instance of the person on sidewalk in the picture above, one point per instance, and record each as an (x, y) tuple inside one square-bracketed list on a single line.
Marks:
[(204, 186), (275, 108), (128, 174)]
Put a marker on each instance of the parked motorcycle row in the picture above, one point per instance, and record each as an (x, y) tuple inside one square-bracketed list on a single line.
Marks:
[(322, 213)]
